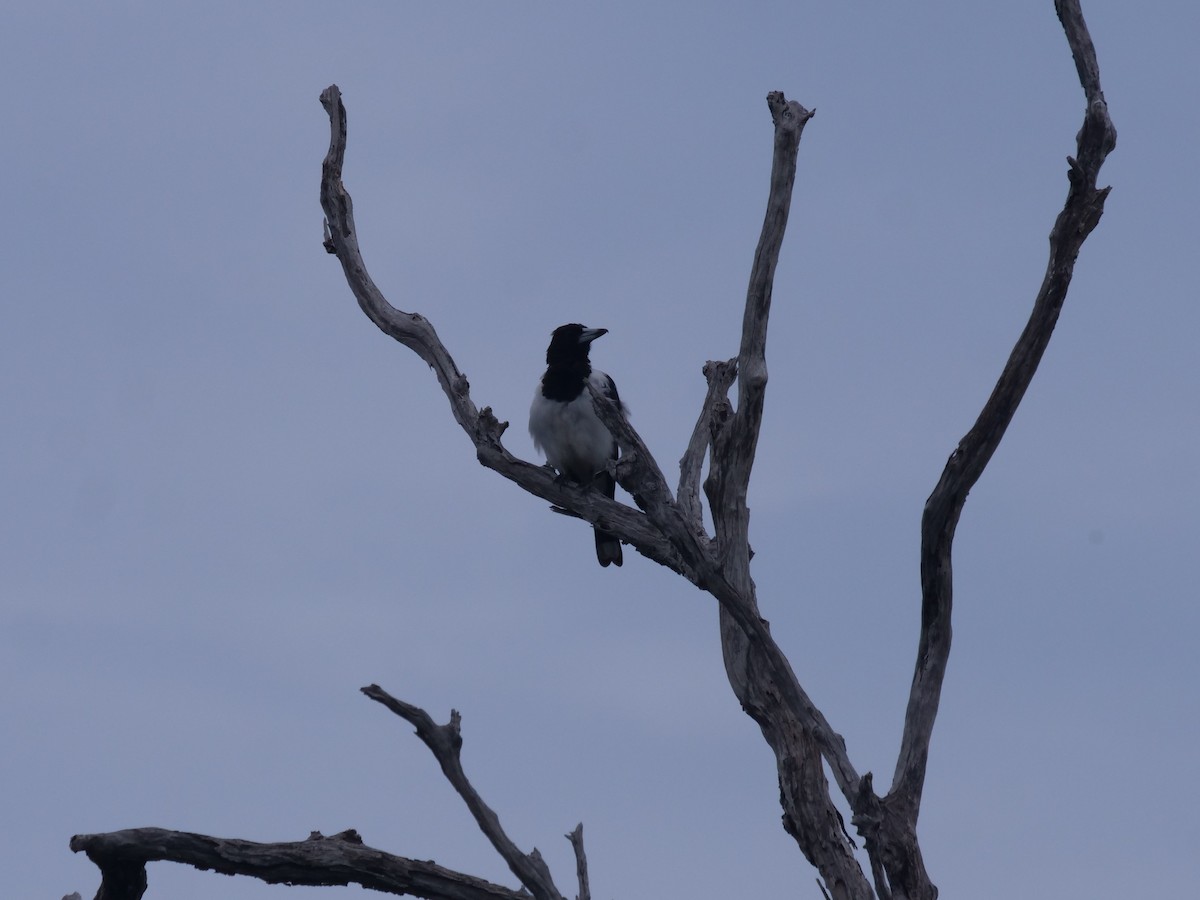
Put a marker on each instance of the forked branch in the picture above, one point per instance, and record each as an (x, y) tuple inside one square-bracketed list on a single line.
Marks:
[(714, 411), (660, 530), (669, 529), (444, 742), (481, 426), (341, 859), (664, 530)]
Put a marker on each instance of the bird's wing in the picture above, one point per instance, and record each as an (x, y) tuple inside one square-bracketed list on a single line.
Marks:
[(604, 383)]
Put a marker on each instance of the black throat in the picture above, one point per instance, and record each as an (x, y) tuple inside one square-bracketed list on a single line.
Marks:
[(565, 380)]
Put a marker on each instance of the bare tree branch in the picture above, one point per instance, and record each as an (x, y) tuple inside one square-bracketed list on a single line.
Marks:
[(639, 474), (733, 439), (341, 859), (889, 825), (481, 426), (731, 479), (713, 412), (670, 530), (444, 742), (338, 860), (758, 670), (1080, 215), (410, 329), (581, 872), (662, 532)]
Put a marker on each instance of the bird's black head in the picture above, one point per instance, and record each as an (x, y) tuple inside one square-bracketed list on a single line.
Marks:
[(569, 344)]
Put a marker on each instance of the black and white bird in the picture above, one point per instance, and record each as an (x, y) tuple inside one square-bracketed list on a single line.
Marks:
[(564, 425)]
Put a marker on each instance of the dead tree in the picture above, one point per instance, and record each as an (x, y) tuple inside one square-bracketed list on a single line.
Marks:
[(667, 526)]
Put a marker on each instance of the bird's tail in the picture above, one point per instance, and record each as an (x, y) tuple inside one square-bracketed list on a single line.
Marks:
[(608, 548)]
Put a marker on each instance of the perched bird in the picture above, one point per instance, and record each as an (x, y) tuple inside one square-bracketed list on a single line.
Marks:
[(564, 425)]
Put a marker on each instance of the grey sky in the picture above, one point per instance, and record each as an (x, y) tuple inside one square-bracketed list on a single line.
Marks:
[(229, 501)]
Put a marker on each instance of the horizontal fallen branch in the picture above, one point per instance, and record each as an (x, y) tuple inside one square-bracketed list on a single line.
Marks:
[(340, 859)]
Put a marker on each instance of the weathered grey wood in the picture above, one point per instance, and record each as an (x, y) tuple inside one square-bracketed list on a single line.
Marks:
[(417, 333), (671, 536), (669, 529), (889, 824), (341, 859), (720, 377), (581, 872), (1080, 214), (758, 671), (444, 742)]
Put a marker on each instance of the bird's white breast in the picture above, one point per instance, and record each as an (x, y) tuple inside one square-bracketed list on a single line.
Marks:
[(571, 436)]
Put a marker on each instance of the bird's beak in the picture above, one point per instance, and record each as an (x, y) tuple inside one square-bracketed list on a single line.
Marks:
[(590, 334)]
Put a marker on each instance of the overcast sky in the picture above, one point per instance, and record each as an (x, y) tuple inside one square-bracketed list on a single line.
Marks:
[(229, 501)]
